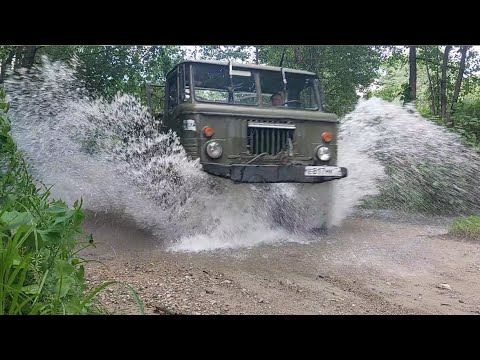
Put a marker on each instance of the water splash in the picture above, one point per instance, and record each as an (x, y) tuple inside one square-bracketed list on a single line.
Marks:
[(241, 218), (413, 164), (109, 153), (113, 156)]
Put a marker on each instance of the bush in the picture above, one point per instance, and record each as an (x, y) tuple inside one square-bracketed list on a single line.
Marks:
[(468, 227), (40, 271), (466, 119)]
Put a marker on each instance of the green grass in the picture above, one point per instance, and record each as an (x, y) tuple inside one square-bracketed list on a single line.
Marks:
[(468, 227), (40, 239)]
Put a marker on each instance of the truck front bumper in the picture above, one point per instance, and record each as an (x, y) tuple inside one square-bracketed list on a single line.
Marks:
[(268, 173)]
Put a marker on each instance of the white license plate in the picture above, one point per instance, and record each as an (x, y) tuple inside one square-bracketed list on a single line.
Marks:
[(323, 171)]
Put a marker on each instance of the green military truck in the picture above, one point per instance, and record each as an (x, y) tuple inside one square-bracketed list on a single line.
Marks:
[(252, 123)]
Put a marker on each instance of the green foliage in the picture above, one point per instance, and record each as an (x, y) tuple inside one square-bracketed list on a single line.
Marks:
[(4, 50), (40, 272), (108, 70), (468, 227), (216, 52), (466, 118), (464, 115), (392, 83)]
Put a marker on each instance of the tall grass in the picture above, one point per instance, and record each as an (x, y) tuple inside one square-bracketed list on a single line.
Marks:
[(466, 227), (40, 238)]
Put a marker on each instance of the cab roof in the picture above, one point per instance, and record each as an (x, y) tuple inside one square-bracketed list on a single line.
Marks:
[(246, 66)]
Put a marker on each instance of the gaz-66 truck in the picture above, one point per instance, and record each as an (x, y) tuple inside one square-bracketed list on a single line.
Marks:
[(252, 123)]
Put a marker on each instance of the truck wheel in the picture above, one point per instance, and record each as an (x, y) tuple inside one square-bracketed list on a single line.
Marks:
[(306, 211), (284, 214), (322, 230)]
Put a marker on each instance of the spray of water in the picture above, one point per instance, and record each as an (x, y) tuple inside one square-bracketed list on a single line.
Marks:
[(113, 156), (110, 154), (418, 166)]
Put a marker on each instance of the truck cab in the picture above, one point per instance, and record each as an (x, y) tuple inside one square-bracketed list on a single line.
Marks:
[(252, 123)]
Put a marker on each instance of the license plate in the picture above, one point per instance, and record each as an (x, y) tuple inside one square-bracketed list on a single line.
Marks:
[(323, 171)]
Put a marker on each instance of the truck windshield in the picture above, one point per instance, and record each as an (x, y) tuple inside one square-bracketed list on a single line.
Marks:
[(299, 93), (213, 84)]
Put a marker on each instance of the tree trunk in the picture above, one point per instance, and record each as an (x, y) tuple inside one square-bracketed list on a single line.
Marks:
[(412, 83), (443, 84), (432, 75), (5, 64), (437, 82), (432, 91), (458, 84), (296, 54), (25, 56)]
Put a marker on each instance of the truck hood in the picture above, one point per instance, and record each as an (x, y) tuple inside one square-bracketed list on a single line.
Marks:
[(256, 112)]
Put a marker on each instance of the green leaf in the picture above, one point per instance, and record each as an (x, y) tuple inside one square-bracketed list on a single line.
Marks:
[(64, 267), (137, 299), (73, 306), (63, 220), (58, 208), (31, 289), (96, 291), (14, 219), (81, 273), (63, 285), (50, 236)]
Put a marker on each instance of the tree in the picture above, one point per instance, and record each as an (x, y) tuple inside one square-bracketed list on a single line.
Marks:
[(107, 70), (20, 56), (25, 56), (217, 52), (432, 85), (6, 58), (412, 83), (461, 70), (443, 85)]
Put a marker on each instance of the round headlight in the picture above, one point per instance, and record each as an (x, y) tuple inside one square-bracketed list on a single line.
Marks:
[(323, 153), (214, 149)]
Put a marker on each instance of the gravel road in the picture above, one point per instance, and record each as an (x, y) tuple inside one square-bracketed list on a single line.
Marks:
[(375, 263)]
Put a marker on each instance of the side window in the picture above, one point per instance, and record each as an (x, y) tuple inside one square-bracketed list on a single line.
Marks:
[(184, 78), (185, 82), (301, 92), (172, 91), (307, 98)]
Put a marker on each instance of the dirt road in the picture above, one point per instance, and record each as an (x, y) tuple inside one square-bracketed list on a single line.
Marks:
[(376, 263)]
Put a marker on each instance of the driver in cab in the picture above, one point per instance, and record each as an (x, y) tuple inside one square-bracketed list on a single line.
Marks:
[(277, 99)]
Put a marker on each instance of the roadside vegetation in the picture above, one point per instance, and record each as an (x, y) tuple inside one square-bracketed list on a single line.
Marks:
[(41, 270), (467, 227)]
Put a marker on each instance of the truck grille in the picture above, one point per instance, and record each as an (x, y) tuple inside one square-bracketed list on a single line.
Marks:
[(268, 137)]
